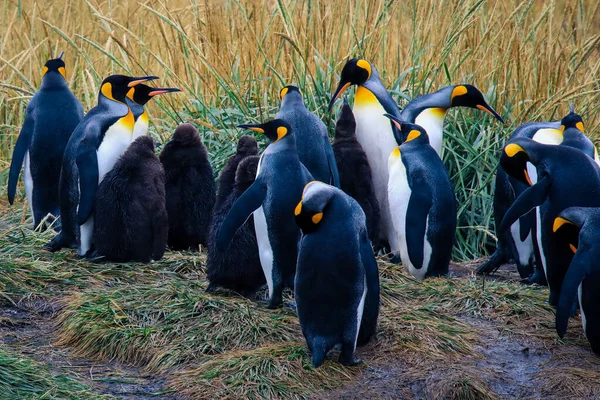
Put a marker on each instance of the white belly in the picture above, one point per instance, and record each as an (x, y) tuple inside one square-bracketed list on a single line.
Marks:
[(539, 239), (141, 127), (360, 309), (374, 133), (399, 196), (29, 184), (265, 252), (432, 120), (583, 319), (86, 236), (525, 247)]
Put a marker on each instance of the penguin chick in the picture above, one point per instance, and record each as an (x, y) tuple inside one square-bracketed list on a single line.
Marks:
[(238, 268), (246, 146), (131, 217), (190, 188)]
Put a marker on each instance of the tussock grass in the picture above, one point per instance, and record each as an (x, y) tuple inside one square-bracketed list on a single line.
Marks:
[(23, 378)]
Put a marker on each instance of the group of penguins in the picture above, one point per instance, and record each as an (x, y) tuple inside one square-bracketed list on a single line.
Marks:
[(308, 214)]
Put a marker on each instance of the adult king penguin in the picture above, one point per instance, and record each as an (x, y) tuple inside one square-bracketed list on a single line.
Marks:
[(335, 248), (273, 196), (93, 149), (429, 110), (422, 202), (566, 177), (137, 98), (373, 130), (312, 140), (50, 118)]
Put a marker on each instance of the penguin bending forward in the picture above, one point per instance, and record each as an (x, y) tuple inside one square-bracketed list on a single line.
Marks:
[(565, 177), (312, 140), (238, 268), (51, 116), (93, 149), (337, 281), (355, 172), (131, 218), (190, 188), (272, 198), (582, 281), (422, 203)]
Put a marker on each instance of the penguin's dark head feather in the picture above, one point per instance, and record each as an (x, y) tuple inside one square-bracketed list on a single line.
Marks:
[(116, 87), (572, 120), (274, 130), (143, 145), (514, 161), (56, 65), (247, 146), (312, 208), (289, 89), (356, 72), (185, 135), (246, 172), (142, 94), (470, 96), (345, 126)]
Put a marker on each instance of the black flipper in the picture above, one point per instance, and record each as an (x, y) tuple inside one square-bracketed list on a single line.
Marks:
[(87, 165), (532, 197), (416, 224), (368, 324), (526, 225), (240, 211), (19, 152)]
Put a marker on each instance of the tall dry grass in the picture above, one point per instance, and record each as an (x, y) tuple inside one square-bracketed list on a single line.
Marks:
[(231, 58)]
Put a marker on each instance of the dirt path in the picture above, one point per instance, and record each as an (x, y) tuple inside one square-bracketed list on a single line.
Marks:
[(28, 330)]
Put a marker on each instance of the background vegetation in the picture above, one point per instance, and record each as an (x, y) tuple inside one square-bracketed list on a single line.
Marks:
[(232, 57)]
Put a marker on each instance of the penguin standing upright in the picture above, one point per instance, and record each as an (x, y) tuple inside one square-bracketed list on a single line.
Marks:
[(579, 227), (422, 203), (312, 140), (93, 149), (190, 188), (239, 267), (272, 198), (429, 110), (337, 281), (355, 172), (566, 177), (374, 132), (51, 116), (519, 241), (131, 217), (137, 99), (246, 147)]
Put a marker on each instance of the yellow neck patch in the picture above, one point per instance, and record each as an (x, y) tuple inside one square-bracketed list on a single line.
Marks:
[(283, 93), (130, 93), (44, 70), (298, 209), (512, 149), (458, 91), (317, 218), (364, 97), (128, 121), (413, 135), (579, 126), (63, 72), (558, 222), (281, 132), (396, 152), (107, 91), (364, 64), (144, 116)]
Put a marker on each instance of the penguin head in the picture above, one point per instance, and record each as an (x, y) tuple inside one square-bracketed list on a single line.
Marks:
[(311, 209), (345, 127), (247, 146), (143, 145), (567, 225), (514, 160), (274, 130), (572, 120), (356, 72), (54, 67), (291, 91), (408, 132), (142, 94), (245, 173), (185, 134), (470, 96), (116, 87)]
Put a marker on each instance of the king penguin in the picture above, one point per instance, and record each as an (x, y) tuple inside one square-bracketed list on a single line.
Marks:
[(429, 110), (374, 132), (579, 227), (335, 248), (51, 116), (137, 99), (566, 177), (312, 140), (97, 142), (518, 243), (422, 202), (272, 198)]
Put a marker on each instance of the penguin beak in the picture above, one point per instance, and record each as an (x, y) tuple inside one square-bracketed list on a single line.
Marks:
[(253, 127), (394, 120), (338, 92), (159, 91), (137, 80), (60, 56), (486, 107)]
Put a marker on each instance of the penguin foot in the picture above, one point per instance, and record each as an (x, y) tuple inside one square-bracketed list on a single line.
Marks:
[(274, 303), (291, 304), (351, 362), (58, 242), (395, 259), (537, 278)]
